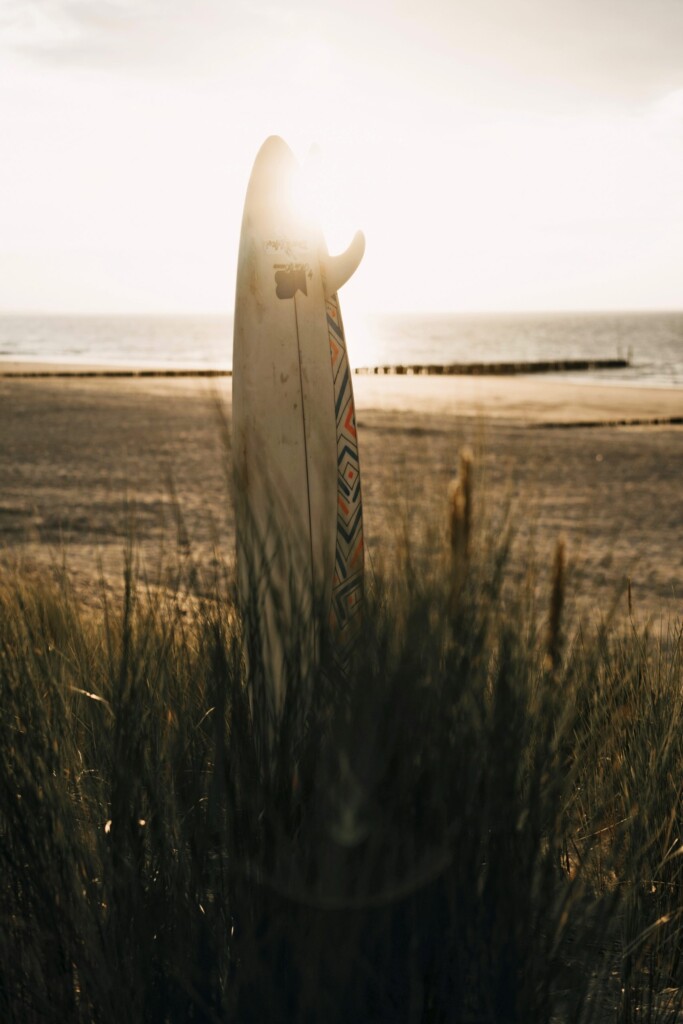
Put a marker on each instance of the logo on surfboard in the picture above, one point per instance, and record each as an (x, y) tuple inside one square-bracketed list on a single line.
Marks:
[(291, 278)]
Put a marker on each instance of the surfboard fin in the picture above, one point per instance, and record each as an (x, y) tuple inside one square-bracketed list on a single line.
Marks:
[(338, 269)]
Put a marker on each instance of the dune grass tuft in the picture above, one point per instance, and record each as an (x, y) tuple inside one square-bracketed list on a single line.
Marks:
[(479, 821)]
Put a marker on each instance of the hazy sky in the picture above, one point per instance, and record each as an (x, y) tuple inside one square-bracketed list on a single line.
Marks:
[(498, 154)]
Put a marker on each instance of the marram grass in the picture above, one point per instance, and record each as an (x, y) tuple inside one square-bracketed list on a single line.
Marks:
[(479, 822)]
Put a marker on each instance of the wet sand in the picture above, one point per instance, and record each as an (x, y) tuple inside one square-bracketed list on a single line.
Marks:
[(85, 461)]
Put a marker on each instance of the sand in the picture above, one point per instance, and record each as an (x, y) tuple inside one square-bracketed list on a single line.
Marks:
[(85, 461)]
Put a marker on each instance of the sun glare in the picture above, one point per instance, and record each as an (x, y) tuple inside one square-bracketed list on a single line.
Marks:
[(325, 197)]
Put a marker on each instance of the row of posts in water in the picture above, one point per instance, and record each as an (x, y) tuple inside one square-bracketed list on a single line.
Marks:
[(423, 369)]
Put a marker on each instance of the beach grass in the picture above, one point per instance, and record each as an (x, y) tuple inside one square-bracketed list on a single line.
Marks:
[(477, 820)]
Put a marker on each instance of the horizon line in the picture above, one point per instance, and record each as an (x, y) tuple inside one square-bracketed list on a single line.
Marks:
[(432, 311)]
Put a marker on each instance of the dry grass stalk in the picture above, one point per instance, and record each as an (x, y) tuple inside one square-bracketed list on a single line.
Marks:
[(460, 519), (554, 641)]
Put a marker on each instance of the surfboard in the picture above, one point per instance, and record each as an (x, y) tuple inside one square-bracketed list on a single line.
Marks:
[(298, 506)]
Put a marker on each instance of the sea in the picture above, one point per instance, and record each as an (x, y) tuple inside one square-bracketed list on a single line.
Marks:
[(652, 342)]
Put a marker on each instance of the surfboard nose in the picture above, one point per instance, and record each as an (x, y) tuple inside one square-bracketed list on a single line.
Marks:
[(272, 176), (274, 149)]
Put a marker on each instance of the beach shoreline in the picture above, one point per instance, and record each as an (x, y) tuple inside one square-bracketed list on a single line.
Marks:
[(527, 398), (85, 460)]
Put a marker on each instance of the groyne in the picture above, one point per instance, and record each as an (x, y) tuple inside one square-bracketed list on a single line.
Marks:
[(408, 369), (498, 369)]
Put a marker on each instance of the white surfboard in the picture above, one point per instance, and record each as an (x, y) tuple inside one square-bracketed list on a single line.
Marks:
[(297, 483)]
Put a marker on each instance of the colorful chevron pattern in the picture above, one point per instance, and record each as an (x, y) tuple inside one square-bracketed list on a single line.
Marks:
[(347, 585)]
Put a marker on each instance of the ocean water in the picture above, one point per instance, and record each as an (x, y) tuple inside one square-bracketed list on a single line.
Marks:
[(652, 341)]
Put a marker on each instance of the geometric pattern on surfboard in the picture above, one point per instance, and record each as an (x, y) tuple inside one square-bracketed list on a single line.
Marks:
[(347, 584)]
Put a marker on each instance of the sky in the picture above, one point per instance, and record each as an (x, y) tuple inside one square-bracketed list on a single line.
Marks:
[(499, 155)]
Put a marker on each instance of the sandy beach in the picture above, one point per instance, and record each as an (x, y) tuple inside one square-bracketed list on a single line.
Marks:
[(83, 462)]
